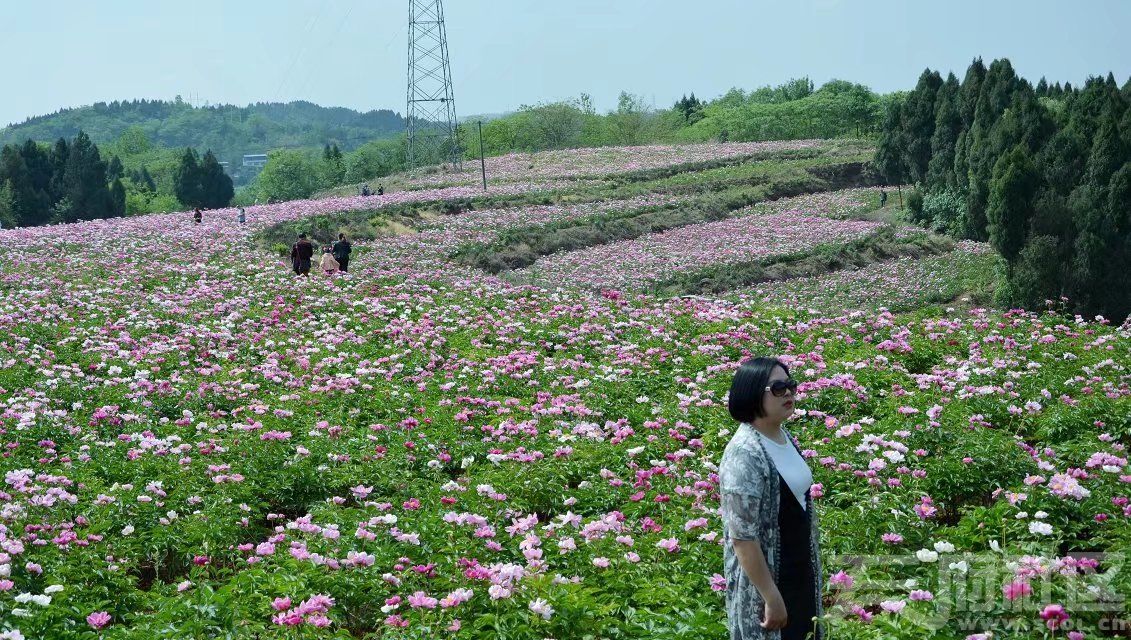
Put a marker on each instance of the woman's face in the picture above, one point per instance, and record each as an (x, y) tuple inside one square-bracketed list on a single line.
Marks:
[(777, 409)]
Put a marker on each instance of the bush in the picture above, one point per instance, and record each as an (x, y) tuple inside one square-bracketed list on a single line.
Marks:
[(915, 206), (943, 211)]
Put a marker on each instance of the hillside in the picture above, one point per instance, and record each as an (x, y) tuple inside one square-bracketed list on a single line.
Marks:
[(228, 130)]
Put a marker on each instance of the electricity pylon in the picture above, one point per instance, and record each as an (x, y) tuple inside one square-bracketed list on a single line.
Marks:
[(433, 136)]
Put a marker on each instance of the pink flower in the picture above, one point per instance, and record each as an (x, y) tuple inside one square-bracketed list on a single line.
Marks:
[(601, 562), (281, 604), (318, 620), (98, 619), (421, 600), (920, 594), (396, 620), (6, 585), (842, 580), (671, 545), (1016, 589), (892, 538), (718, 582), (1054, 615)]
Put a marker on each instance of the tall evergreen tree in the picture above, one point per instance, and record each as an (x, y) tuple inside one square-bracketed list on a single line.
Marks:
[(59, 154), (186, 179), (1042, 88), (919, 124), (891, 147), (84, 183), (971, 89), (215, 186), (1012, 191), (118, 197), (948, 126), (7, 205), (115, 170), (37, 162)]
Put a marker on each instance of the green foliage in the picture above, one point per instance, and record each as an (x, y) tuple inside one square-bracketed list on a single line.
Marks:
[(943, 210), (186, 181), (1014, 185), (7, 204), (228, 130), (215, 186), (289, 175), (1028, 166)]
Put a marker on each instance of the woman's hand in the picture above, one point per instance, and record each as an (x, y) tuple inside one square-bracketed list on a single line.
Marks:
[(775, 616)]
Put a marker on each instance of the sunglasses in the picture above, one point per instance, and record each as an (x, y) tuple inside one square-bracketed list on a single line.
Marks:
[(779, 387)]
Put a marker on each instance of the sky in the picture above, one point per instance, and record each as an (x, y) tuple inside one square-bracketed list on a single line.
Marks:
[(505, 53)]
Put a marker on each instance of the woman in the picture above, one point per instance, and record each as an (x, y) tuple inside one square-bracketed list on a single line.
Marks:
[(328, 264), (770, 537)]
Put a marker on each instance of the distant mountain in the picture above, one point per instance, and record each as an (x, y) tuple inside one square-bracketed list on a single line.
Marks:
[(228, 130)]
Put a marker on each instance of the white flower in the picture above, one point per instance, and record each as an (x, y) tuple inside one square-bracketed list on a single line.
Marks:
[(926, 555), (635, 451), (1043, 528), (41, 600), (995, 546), (961, 566), (542, 608), (55, 588), (1040, 515), (128, 529), (942, 546)]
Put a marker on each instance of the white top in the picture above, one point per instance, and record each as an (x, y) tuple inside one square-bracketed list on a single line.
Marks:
[(790, 464)]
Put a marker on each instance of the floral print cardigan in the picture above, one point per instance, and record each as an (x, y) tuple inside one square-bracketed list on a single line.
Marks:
[(751, 489)]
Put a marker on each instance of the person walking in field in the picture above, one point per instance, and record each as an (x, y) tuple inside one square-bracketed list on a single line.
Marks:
[(883, 198), (243, 216), (301, 254), (771, 553), (342, 251), (328, 263), (197, 216)]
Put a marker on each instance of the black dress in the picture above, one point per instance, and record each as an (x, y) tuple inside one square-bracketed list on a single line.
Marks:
[(795, 573)]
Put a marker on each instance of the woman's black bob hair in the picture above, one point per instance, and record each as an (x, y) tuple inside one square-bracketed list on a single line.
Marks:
[(749, 386)]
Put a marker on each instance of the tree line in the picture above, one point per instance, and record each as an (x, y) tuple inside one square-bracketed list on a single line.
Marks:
[(230, 131), (1043, 173), (71, 181)]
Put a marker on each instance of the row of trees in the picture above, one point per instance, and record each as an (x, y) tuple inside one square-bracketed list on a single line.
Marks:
[(64, 182), (1043, 174), (201, 182), (792, 110), (70, 181), (228, 130)]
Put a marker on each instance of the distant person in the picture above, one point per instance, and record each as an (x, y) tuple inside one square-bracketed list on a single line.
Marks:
[(365, 190), (301, 254), (342, 251), (380, 189), (197, 216), (328, 264), (883, 198), (243, 216)]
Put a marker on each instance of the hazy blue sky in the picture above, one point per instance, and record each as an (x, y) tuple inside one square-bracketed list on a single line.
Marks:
[(509, 52)]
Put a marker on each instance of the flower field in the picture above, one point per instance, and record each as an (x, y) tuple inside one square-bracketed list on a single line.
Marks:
[(601, 161), (197, 444), (777, 228), (901, 284)]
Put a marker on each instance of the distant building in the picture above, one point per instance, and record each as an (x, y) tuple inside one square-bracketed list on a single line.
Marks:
[(256, 160), (224, 166)]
